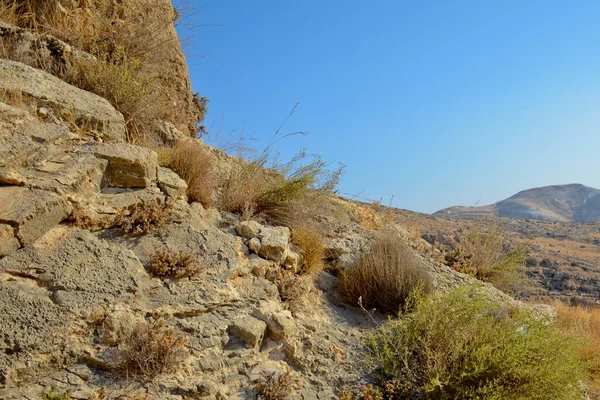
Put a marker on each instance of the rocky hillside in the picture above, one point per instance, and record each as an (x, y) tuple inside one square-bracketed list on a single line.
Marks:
[(575, 202), (110, 275)]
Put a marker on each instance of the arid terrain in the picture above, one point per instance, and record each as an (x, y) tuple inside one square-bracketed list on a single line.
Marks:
[(563, 257)]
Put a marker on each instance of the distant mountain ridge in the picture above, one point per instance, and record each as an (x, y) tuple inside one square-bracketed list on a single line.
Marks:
[(565, 203)]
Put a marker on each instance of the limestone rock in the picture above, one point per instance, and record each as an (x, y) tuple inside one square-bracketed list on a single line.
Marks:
[(88, 109), (32, 325), (128, 166), (274, 242), (248, 229), (11, 177), (250, 330), (8, 241), (32, 212), (254, 245), (171, 184), (282, 326)]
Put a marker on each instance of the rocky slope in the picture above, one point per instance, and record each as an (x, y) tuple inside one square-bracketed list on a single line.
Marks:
[(74, 284), (564, 203)]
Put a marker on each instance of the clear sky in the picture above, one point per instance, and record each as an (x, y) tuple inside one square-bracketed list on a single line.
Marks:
[(439, 103)]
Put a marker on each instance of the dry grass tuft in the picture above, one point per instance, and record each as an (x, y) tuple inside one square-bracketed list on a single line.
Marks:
[(149, 350), (386, 275), (193, 163), (485, 253), (140, 219), (275, 387), (584, 324), (310, 241), (166, 263)]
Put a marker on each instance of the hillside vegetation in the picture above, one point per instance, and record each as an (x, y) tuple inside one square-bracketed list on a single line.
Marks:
[(136, 262)]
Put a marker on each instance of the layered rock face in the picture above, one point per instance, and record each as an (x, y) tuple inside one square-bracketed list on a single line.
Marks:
[(148, 22)]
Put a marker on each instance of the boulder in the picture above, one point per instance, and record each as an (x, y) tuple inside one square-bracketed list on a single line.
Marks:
[(274, 243), (248, 229), (128, 166), (31, 212), (171, 184), (88, 110), (250, 330)]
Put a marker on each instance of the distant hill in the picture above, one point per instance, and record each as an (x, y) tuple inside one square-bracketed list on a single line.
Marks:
[(564, 203)]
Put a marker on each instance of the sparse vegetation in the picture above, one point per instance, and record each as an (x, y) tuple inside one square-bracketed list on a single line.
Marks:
[(150, 349), (385, 276), (194, 164), (53, 394), (461, 345), (275, 387), (143, 218), (484, 252), (126, 40), (120, 79), (311, 242), (583, 323), (166, 263)]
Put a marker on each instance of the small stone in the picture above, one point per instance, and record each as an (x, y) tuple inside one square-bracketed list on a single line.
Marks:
[(282, 326), (171, 184), (250, 330), (8, 241), (248, 229), (254, 245), (274, 243), (43, 112)]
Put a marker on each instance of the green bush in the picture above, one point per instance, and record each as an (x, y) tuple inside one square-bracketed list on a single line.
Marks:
[(463, 346)]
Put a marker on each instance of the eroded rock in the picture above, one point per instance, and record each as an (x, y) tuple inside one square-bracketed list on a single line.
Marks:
[(128, 166), (274, 243), (31, 212), (89, 110)]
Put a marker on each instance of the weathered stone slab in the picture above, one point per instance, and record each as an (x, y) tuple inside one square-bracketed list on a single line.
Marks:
[(250, 330), (128, 166), (88, 110), (171, 184), (32, 212), (8, 241)]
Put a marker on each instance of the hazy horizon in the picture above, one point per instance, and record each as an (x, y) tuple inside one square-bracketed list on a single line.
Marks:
[(439, 104)]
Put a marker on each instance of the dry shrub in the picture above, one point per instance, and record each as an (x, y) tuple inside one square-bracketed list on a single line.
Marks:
[(278, 191), (275, 387), (150, 349), (193, 163), (120, 79), (583, 323), (484, 252), (142, 218), (166, 263), (386, 275), (310, 241)]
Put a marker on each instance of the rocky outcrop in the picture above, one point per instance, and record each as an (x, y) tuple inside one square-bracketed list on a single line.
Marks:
[(88, 111), (128, 166)]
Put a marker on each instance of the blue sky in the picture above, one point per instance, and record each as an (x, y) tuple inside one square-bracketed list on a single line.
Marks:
[(438, 103)]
